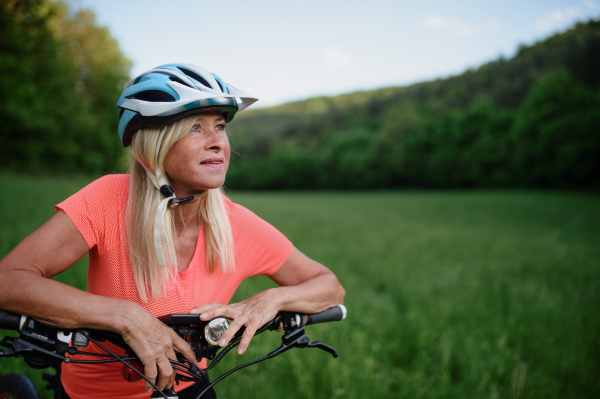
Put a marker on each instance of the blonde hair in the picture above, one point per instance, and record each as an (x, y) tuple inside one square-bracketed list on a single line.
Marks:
[(149, 148)]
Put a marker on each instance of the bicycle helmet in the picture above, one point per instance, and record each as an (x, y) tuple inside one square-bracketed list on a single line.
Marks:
[(171, 92)]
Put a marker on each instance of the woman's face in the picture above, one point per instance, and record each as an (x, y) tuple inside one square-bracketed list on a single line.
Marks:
[(199, 161)]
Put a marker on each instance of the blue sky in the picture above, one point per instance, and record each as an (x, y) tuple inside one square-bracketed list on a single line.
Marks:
[(284, 50)]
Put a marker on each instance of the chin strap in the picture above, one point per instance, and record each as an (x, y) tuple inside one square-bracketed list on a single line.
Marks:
[(171, 201)]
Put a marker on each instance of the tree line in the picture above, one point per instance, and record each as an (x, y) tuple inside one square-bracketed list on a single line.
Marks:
[(529, 121)]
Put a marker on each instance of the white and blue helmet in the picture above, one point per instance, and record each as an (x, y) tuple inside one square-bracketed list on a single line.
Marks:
[(171, 92)]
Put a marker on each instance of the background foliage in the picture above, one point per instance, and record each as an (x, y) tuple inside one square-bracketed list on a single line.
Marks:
[(59, 80), (531, 121)]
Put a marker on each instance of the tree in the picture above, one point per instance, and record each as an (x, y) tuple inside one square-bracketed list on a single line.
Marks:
[(58, 89), (463, 148), (102, 72), (557, 134)]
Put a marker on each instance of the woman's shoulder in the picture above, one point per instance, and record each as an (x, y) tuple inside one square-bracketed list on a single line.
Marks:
[(98, 208), (235, 211), (104, 191), (260, 247), (109, 185), (108, 182), (242, 218)]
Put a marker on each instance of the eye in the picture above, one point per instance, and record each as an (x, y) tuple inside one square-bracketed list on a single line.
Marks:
[(195, 128), (221, 127)]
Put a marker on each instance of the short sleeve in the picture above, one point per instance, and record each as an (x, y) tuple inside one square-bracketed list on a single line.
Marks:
[(92, 209), (260, 249)]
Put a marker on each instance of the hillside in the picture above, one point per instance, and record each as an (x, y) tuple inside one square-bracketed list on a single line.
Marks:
[(391, 116)]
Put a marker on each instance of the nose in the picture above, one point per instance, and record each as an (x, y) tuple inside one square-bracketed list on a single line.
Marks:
[(215, 140)]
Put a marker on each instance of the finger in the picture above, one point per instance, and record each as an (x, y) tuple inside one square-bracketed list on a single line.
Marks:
[(165, 370), (171, 355), (233, 328), (224, 310), (183, 347), (247, 337), (204, 308), (150, 372)]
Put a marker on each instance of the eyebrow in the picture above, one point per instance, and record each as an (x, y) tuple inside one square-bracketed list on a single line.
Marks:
[(199, 119)]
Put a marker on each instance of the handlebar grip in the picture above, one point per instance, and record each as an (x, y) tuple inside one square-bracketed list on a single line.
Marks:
[(335, 313), (10, 321)]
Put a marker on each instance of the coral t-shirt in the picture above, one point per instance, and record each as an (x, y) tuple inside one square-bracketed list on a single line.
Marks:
[(98, 212)]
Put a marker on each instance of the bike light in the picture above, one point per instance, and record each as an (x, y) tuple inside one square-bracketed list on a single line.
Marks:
[(79, 340), (215, 329)]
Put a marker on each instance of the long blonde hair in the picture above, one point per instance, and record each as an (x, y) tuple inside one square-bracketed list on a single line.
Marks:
[(149, 148)]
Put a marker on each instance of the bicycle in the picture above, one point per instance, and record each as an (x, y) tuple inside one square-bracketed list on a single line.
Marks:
[(44, 346)]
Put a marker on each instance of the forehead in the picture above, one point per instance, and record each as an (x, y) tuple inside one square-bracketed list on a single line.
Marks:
[(209, 116)]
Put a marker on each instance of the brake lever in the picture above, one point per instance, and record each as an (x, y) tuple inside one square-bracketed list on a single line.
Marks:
[(324, 346), (298, 339), (21, 347)]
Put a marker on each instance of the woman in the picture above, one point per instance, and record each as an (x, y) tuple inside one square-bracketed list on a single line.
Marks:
[(161, 239)]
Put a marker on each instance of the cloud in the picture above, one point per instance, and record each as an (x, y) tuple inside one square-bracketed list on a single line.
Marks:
[(589, 4), (556, 18), (335, 57), (437, 22)]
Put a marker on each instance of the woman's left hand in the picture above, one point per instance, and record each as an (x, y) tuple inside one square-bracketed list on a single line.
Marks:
[(252, 313), (305, 286)]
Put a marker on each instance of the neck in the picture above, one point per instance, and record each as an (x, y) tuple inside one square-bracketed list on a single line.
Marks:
[(187, 215)]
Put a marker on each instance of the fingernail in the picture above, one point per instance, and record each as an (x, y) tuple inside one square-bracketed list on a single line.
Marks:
[(240, 351), (222, 342)]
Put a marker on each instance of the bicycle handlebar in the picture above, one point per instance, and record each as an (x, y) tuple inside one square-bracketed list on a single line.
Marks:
[(335, 313), (41, 343), (13, 321), (10, 321)]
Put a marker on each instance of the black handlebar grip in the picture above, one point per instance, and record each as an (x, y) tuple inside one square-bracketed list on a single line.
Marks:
[(335, 313), (10, 321)]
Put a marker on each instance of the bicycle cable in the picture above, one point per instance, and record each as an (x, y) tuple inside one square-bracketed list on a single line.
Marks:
[(124, 362)]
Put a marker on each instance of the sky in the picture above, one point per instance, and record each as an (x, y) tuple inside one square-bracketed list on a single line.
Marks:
[(281, 51)]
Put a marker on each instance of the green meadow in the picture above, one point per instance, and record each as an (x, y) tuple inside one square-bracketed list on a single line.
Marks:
[(450, 294)]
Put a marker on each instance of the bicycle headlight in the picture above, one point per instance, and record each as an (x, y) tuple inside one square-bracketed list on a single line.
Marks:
[(215, 329)]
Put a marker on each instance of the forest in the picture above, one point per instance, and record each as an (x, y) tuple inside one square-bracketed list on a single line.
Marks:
[(529, 121)]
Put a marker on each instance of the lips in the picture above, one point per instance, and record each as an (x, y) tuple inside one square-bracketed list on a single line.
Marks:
[(214, 163)]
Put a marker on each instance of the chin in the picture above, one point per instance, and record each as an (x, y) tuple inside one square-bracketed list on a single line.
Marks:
[(212, 185)]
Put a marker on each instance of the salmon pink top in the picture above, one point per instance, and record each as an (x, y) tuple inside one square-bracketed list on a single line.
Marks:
[(98, 213)]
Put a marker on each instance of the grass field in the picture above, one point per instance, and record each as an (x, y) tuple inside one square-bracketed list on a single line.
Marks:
[(470, 294)]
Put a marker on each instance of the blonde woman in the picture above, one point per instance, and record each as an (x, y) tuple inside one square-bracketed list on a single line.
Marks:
[(161, 239)]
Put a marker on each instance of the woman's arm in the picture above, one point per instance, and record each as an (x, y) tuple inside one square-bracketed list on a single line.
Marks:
[(306, 286), (26, 288)]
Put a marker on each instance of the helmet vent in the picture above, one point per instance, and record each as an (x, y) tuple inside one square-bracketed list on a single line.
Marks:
[(154, 96), (194, 75), (121, 110), (176, 79)]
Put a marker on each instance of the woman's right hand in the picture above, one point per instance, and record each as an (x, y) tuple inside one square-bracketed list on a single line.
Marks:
[(154, 343)]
